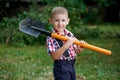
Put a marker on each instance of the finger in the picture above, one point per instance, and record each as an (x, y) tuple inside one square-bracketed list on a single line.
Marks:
[(82, 41)]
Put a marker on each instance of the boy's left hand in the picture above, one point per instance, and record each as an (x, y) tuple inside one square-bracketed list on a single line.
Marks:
[(79, 48)]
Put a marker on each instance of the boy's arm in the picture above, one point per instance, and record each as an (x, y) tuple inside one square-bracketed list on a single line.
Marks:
[(78, 49), (56, 55)]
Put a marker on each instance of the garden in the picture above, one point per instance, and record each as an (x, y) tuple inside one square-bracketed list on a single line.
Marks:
[(23, 57)]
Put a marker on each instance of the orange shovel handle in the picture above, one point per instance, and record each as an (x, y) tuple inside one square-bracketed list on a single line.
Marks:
[(85, 45)]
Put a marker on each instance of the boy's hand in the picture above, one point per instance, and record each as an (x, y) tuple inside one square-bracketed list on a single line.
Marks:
[(79, 48), (69, 42)]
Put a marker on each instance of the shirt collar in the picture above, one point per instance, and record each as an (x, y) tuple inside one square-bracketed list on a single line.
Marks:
[(66, 32)]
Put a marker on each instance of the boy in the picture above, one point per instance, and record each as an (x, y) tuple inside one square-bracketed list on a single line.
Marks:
[(63, 53)]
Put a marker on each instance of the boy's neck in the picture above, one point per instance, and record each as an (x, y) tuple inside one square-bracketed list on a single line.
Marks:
[(60, 32)]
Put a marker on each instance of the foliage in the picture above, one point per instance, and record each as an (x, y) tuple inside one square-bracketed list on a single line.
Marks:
[(82, 11), (11, 34), (82, 16)]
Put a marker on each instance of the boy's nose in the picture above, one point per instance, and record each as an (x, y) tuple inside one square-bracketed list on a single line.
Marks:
[(60, 23)]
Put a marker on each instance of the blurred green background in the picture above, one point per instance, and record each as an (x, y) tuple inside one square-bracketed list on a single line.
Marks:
[(23, 57)]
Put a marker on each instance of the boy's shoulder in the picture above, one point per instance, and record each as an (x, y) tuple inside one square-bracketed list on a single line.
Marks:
[(69, 32), (50, 38)]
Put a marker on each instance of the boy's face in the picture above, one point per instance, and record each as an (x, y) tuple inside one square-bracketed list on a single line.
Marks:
[(59, 22)]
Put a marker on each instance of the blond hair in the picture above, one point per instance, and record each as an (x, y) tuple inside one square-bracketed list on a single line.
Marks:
[(59, 10)]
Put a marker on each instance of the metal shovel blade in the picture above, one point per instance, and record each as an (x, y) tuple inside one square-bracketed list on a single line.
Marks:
[(26, 26)]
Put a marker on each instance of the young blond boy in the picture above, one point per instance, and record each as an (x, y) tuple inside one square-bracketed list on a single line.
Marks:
[(63, 53)]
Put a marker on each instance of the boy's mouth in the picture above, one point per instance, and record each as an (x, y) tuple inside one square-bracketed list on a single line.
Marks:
[(59, 26)]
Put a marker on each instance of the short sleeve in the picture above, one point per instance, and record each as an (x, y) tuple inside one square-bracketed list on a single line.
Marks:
[(50, 45)]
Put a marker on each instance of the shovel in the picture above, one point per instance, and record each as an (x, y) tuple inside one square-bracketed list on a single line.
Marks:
[(35, 28)]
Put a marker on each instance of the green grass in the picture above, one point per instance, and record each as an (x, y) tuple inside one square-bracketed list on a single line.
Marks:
[(33, 62), (95, 66), (26, 63)]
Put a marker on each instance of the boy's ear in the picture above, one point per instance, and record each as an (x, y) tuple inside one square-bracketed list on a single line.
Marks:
[(68, 21), (50, 20)]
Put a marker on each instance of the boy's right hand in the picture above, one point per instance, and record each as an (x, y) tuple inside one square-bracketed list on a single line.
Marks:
[(69, 42)]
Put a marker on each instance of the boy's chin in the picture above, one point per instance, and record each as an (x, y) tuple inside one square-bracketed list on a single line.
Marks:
[(60, 30)]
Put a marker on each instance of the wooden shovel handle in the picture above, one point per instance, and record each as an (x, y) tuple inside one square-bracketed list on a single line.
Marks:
[(85, 45)]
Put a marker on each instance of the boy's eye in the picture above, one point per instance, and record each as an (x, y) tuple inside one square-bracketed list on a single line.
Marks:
[(63, 20), (56, 20)]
